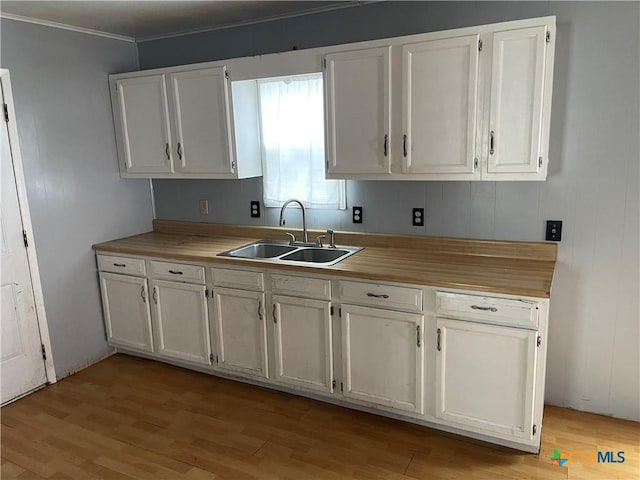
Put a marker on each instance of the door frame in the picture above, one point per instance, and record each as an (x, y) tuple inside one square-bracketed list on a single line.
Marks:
[(25, 216)]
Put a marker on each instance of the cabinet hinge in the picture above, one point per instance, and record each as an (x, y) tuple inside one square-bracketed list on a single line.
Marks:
[(475, 163), (340, 312), (213, 358), (480, 45), (226, 73), (333, 384), (25, 239), (44, 352), (540, 162), (233, 165), (331, 313), (5, 108), (538, 341), (326, 163), (548, 37), (324, 63), (341, 387), (534, 429), (206, 292)]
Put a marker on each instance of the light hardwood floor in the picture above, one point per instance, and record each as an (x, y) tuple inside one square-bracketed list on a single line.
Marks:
[(131, 418)]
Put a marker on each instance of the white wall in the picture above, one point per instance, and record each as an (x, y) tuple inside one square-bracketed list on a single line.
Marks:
[(75, 194), (594, 363)]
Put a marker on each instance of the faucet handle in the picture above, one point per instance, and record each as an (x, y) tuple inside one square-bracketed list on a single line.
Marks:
[(319, 240), (332, 238), (292, 238)]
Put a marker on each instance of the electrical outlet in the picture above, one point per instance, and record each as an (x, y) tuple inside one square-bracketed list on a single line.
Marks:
[(255, 209), (554, 230), (204, 207), (418, 217), (357, 214)]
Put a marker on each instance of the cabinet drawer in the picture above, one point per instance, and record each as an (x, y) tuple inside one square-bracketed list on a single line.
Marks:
[(124, 265), (301, 286), (177, 272), (503, 311), (243, 279), (403, 298)]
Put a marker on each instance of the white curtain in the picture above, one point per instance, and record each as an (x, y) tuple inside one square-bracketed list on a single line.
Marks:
[(292, 125)]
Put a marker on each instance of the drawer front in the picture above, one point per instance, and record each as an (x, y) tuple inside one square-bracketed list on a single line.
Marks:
[(124, 265), (502, 311), (243, 279), (390, 296), (177, 272), (301, 286)]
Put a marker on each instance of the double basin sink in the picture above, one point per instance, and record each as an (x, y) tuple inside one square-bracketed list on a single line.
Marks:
[(282, 252)]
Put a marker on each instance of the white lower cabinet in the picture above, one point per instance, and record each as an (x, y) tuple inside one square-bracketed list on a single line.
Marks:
[(241, 332), (485, 377), (303, 342), (181, 321), (382, 357), (126, 311)]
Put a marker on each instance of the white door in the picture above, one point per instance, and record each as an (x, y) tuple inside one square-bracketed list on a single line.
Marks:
[(181, 321), (517, 91), (202, 121), (485, 377), (241, 332), (125, 301), (357, 92), (144, 118), (21, 363), (439, 105), (383, 357), (302, 334)]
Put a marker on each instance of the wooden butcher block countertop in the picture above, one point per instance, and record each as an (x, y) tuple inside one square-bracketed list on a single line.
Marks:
[(515, 268)]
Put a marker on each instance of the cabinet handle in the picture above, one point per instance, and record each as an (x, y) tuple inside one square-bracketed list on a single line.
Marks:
[(119, 264), (142, 294), (404, 145), (260, 309), (155, 295), (377, 295), (179, 149), (386, 145), (273, 313), (166, 150), (484, 309), (492, 135), (175, 272), (438, 334), (418, 342)]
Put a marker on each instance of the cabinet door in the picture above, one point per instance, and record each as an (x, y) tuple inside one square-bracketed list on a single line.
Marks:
[(383, 357), (181, 321), (126, 311), (439, 105), (202, 121), (241, 332), (517, 98), (144, 118), (485, 377), (302, 334), (358, 111)]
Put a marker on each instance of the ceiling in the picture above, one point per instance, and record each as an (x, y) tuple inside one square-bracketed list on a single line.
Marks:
[(144, 19)]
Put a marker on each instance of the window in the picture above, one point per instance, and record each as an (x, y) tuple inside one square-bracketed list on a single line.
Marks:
[(292, 129)]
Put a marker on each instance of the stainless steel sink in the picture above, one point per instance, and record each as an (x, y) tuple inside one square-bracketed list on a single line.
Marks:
[(281, 252), (260, 250)]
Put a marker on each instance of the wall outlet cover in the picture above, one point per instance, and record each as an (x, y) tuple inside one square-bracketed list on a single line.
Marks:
[(357, 214), (418, 217), (204, 207), (255, 209), (554, 230)]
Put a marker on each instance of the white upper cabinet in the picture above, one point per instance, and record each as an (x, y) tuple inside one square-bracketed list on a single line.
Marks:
[(518, 88), (179, 123), (439, 106), (144, 122), (202, 121), (358, 101)]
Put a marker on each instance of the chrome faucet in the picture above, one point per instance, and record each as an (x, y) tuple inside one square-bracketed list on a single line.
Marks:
[(305, 238)]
